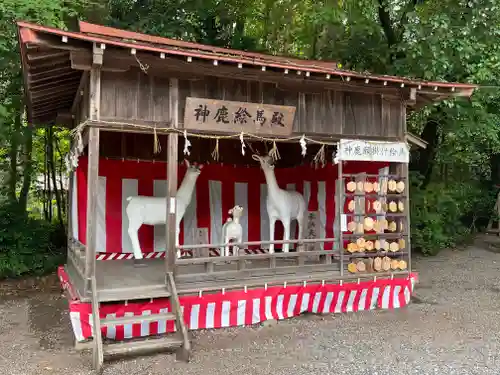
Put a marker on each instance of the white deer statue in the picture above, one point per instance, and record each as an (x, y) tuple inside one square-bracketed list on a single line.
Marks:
[(232, 230), (153, 210), (282, 205)]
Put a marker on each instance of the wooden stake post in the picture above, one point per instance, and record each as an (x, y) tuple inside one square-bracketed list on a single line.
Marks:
[(93, 167), (173, 142)]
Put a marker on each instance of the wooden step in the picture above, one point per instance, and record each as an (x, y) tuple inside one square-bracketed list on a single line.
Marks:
[(112, 321), (132, 293), (148, 344)]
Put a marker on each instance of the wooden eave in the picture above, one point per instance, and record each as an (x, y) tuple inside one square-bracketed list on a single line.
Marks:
[(54, 62)]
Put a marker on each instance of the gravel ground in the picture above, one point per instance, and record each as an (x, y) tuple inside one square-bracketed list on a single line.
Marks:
[(450, 328)]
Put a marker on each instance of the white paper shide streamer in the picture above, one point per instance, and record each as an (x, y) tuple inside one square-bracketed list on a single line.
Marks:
[(187, 144), (242, 144), (303, 145)]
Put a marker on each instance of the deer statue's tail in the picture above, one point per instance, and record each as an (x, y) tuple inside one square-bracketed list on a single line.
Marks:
[(129, 199)]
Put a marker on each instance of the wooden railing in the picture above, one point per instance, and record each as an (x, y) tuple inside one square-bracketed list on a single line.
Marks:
[(256, 265), (76, 254)]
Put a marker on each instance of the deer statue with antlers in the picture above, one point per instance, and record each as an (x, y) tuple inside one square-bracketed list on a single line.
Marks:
[(282, 205), (153, 210)]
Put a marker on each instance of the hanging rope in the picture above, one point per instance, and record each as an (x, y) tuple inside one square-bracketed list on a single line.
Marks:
[(156, 145), (215, 152), (274, 153), (320, 157)]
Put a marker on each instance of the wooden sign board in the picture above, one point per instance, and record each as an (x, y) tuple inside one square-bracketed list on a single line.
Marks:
[(361, 150), (228, 116)]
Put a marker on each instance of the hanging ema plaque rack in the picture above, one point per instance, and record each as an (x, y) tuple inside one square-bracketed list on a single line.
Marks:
[(374, 232)]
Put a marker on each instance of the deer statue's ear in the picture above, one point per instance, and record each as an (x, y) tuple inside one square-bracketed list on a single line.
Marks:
[(187, 163), (256, 157), (230, 212), (200, 166)]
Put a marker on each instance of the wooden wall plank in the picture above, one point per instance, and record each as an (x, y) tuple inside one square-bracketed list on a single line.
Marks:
[(139, 97)]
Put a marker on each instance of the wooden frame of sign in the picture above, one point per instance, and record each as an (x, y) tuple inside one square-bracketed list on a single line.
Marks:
[(234, 117)]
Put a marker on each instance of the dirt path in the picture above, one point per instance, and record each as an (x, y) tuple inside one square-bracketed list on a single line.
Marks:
[(451, 328)]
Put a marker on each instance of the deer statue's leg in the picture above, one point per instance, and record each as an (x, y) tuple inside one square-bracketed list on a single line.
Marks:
[(272, 222), (300, 224), (286, 235), (133, 228), (226, 248), (177, 234)]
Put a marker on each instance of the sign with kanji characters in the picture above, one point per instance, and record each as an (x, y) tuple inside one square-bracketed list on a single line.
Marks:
[(360, 150), (229, 116)]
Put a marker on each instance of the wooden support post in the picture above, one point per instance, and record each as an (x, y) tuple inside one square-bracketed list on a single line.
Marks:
[(340, 195), (172, 162), (93, 167)]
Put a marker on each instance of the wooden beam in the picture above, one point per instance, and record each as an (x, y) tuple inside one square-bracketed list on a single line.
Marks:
[(121, 60), (173, 144), (92, 176), (80, 91)]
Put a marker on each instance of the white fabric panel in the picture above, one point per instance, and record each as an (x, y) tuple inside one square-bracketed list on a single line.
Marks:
[(159, 190), (241, 198), (339, 208), (264, 216), (322, 211), (294, 224), (74, 208), (307, 192), (130, 188), (215, 190), (190, 221), (101, 215)]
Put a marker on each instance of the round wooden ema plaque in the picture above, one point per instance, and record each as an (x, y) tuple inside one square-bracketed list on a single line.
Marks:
[(393, 206), (377, 206), (401, 243), (402, 265), (386, 246), (393, 247), (400, 187), (361, 266), (394, 264), (386, 263), (351, 227), (377, 264), (368, 187), (351, 267), (350, 206), (376, 187), (361, 243), (368, 223), (351, 186), (369, 246), (391, 185), (392, 226), (377, 245), (401, 206)]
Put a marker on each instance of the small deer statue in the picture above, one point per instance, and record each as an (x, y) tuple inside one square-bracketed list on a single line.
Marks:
[(153, 210), (282, 205), (232, 230)]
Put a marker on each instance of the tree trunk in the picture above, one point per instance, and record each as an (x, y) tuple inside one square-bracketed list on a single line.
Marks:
[(28, 167), (13, 153), (61, 169), (425, 160), (52, 174)]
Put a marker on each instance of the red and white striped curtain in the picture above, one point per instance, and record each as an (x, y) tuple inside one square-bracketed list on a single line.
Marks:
[(218, 188)]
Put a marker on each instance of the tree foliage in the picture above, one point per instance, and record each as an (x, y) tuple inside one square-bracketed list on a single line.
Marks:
[(452, 40)]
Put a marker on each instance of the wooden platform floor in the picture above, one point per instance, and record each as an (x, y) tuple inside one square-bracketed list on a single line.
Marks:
[(119, 280)]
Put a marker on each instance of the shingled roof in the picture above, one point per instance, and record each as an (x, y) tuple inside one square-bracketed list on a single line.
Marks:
[(51, 83)]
